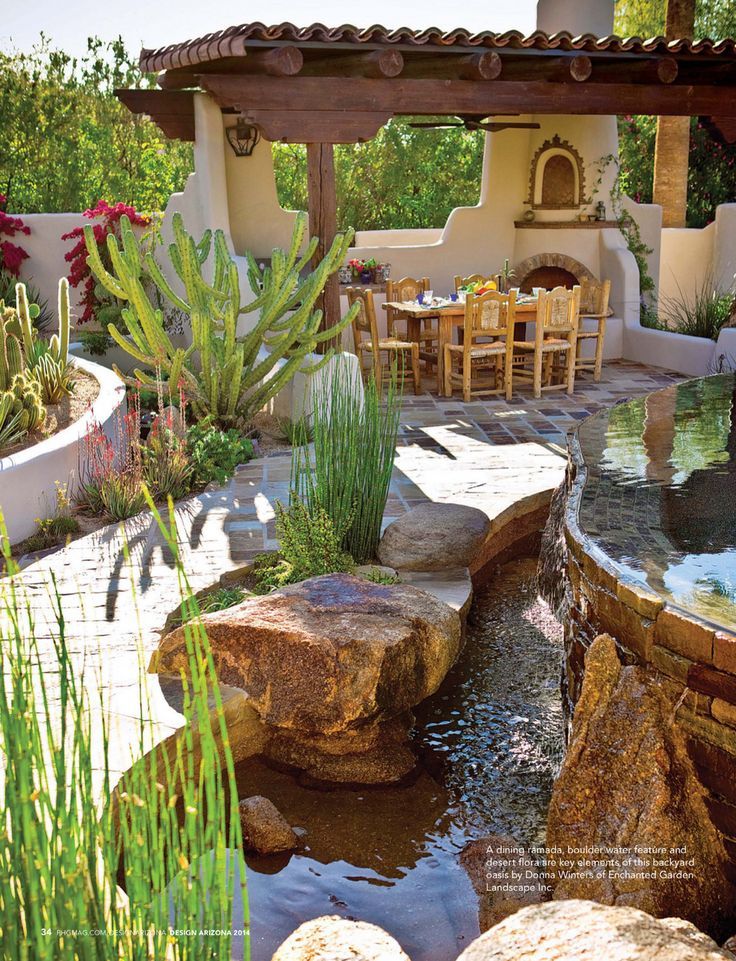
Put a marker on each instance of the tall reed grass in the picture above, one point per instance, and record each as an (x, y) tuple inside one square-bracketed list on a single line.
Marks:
[(701, 314), (89, 869), (348, 472)]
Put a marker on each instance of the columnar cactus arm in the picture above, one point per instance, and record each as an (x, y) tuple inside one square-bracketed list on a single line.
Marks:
[(94, 262), (24, 316)]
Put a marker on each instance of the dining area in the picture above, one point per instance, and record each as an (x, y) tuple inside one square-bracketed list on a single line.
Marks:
[(484, 338)]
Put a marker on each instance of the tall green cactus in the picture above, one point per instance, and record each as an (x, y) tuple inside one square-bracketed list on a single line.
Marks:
[(220, 371), (12, 360), (47, 361)]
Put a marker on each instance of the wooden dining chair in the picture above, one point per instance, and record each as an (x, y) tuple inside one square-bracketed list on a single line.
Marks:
[(594, 297), (473, 279), (481, 369), (555, 337), (404, 290), (369, 346)]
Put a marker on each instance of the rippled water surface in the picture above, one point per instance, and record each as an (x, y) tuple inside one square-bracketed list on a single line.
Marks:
[(489, 740)]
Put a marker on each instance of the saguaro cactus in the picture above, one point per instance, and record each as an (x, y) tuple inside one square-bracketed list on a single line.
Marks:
[(221, 372)]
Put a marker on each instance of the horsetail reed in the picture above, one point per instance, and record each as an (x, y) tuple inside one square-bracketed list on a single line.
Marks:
[(349, 471), (145, 868)]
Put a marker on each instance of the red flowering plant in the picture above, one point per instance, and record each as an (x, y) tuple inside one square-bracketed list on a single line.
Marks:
[(97, 303), (11, 254)]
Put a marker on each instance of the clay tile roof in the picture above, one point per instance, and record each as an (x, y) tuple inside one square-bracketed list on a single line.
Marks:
[(232, 41)]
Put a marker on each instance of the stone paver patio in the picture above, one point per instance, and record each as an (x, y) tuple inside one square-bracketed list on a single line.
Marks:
[(488, 455)]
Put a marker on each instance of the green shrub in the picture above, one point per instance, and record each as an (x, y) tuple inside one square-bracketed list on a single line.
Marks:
[(701, 315), (96, 342), (354, 451), (296, 431), (217, 600), (168, 831), (215, 453), (309, 546), (376, 576), (167, 468), (121, 495), (310, 541)]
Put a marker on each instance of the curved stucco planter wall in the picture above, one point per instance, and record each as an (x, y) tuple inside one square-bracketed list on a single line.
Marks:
[(27, 478)]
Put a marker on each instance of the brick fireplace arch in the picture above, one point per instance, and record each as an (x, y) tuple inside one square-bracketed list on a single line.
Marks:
[(551, 270)]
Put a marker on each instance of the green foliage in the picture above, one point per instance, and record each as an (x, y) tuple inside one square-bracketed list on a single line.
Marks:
[(646, 18), (121, 496), (57, 528), (627, 225), (376, 576), (218, 600), (271, 572), (402, 178), (66, 136), (96, 342), (220, 372), (168, 831), (701, 315), (167, 469), (310, 545), (296, 431), (354, 450), (215, 453)]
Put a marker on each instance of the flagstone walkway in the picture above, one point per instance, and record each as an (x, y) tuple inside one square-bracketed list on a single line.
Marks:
[(119, 584)]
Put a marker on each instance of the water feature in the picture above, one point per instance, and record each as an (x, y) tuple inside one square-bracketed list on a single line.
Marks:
[(660, 492), (490, 741)]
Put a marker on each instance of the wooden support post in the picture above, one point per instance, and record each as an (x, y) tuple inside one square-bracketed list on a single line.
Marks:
[(323, 224)]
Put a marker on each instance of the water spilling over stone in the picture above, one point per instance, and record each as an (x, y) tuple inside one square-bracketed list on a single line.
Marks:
[(490, 742)]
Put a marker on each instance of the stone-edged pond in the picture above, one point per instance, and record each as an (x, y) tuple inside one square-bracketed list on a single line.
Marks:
[(489, 743)]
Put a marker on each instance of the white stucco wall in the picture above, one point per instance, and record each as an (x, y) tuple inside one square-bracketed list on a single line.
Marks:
[(46, 250), (686, 264)]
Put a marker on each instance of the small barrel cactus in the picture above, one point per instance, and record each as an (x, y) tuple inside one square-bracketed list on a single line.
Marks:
[(27, 401), (21, 410)]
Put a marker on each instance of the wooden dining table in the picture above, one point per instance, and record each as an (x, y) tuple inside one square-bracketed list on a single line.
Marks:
[(449, 317)]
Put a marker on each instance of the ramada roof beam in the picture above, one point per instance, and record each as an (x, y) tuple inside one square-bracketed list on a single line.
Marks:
[(383, 63)]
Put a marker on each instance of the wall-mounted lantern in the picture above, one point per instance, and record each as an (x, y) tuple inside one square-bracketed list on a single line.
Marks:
[(242, 137)]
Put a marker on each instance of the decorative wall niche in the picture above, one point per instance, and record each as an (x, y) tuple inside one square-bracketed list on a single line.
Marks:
[(557, 177)]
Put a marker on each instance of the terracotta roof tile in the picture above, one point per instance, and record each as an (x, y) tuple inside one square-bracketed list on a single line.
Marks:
[(214, 46)]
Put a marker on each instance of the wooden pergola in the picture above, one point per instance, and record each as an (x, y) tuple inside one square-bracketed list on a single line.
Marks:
[(321, 86)]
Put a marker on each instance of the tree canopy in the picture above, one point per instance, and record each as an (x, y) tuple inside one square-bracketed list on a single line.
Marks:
[(404, 177), (67, 141)]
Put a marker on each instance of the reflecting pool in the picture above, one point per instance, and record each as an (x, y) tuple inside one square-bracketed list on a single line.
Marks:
[(660, 493)]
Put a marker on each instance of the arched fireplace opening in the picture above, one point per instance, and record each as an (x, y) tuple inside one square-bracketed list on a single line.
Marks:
[(548, 277)]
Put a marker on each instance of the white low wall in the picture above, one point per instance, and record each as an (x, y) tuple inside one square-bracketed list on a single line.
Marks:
[(664, 348), (27, 478)]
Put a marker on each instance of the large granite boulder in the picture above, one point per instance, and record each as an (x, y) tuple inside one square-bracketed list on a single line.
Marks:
[(333, 667), (504, 877), (336, 939), (433, 537), (628, 798), (581, 931)]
